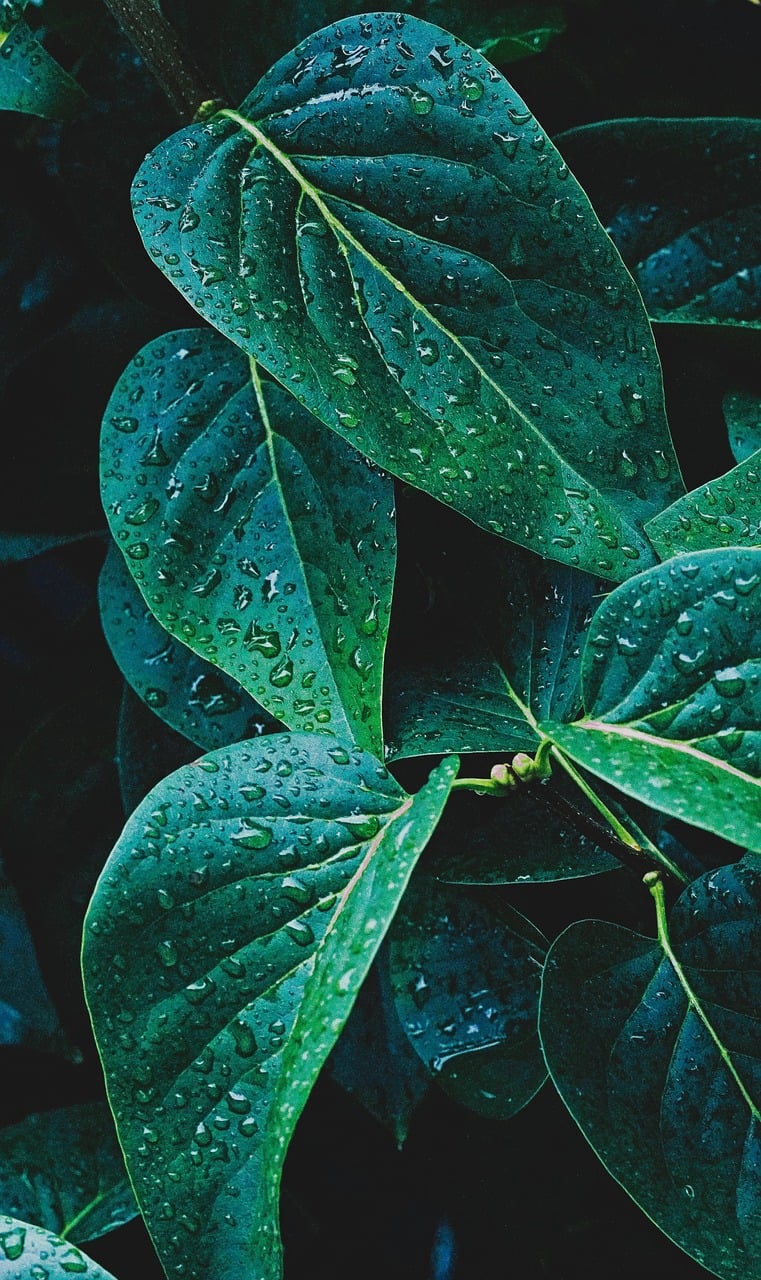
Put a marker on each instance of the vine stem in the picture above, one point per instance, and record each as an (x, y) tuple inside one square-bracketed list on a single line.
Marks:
[(166, 58)]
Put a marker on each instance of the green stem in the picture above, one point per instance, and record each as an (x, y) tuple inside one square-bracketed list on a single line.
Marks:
[(162, 52), (655, 885), (490, 785)]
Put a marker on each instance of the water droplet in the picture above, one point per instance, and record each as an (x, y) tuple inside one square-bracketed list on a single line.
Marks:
[(250, 835), (167, 953), (419, 102), (729, 683), (282, 674), (245, 1040)]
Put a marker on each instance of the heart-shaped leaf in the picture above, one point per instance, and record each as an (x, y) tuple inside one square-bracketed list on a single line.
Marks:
[(671, 685), (726, 512), (742, 410), (435, 286), (32, 81), (682, 201), (227, 939), (28, 1252), (466, 980), (262, 542), (661, 1068), (195, 698), (64, 1171)]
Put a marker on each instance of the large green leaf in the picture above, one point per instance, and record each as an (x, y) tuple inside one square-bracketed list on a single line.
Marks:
[(195, 698), (227, 939), (64, 1171), (726, 512), (466, 979), (682, 201), (665, 1086), (28, 1252), (146, 750), (262, 542), (742, 410), (32, 81), (671, 685), (387, 229)]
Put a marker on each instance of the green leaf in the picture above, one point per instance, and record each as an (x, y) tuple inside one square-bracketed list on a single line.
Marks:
[(227, 939), (485, 681), (27, 1015), (11, 12), (726, 512), (682, 201), (29, 1253), (25, 546), (146, 750), (671, 685), (663, 1085), (742, 411), (519, 32), (466, 978), (192, 696), (435, 287), (64, 1171), (263, 543), (33, 82)]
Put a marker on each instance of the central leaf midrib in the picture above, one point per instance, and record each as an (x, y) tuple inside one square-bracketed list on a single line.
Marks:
[(673, 744)]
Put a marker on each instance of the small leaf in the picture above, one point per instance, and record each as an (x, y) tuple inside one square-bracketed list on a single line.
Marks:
[(742, 410), (436, 287), (671, 685), (263, 544), (33, 82), (682, 201), (726, 512), (25, 546), (466, 980), (192, 696), (64, 1171), (29, 1253), (227, 939), (670, 1106)]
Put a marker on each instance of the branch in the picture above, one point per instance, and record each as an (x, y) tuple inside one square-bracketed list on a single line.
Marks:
[(160, 48)]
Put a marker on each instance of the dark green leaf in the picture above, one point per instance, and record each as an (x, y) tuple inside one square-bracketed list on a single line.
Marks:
[(229, 934), (195, 698), (682, 201), (671, 685), (742, 410), (668, 1104), (26, 1013), (262, 542), (64, 1171), (146, 750), (726, 512), (466, 980), (32, 81), (24, 546), (435, 287), (29, 1253), (10, 13)]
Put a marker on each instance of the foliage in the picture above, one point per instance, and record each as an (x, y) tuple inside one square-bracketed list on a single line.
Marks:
[(388, 481)]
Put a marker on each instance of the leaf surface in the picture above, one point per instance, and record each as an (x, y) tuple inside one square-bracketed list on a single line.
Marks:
[(227, 939), (28, 1252), (435, 287), (742, 411), (726, 512), (33, 82), (671, 1111), (671, 685), (264, 544)]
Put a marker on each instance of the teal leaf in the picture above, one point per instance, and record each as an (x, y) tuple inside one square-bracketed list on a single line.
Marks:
[(226, 941), (742, 411), (192, 696), (28, 1252), (466, 977), (33, 82), (15, 547), (725, 512), (11, 12), (682, 202), (146, 750), (436, 287), (262, 543), (671, 686), (27, 1015), (64, 1171), (670, 1106)]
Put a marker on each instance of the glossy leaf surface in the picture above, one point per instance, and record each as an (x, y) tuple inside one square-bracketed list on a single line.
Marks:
[(466, 980), (671, 685), (240, 912), (28, 1252), (682, 201), (31, 81), (726, 512), (192, 696), (672, 1115), (742, 410), (436, 286), (262, 542), (64, 1171)]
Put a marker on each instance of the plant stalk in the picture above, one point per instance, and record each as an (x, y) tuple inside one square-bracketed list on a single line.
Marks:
[(166, 58)]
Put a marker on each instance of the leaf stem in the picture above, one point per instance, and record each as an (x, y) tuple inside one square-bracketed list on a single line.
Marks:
[(655, 885), (488, 785), (166, 58)]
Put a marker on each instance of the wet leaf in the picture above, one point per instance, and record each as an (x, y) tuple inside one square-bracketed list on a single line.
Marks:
[(682, 201), (436, 287), (671, 685), (466, 979), (742, 411), (671, 1108), (263, 544), (726, 512), (29, 1253), (64, 1171), (146, 750), (227, 939), (33, 82), (192, 696)]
